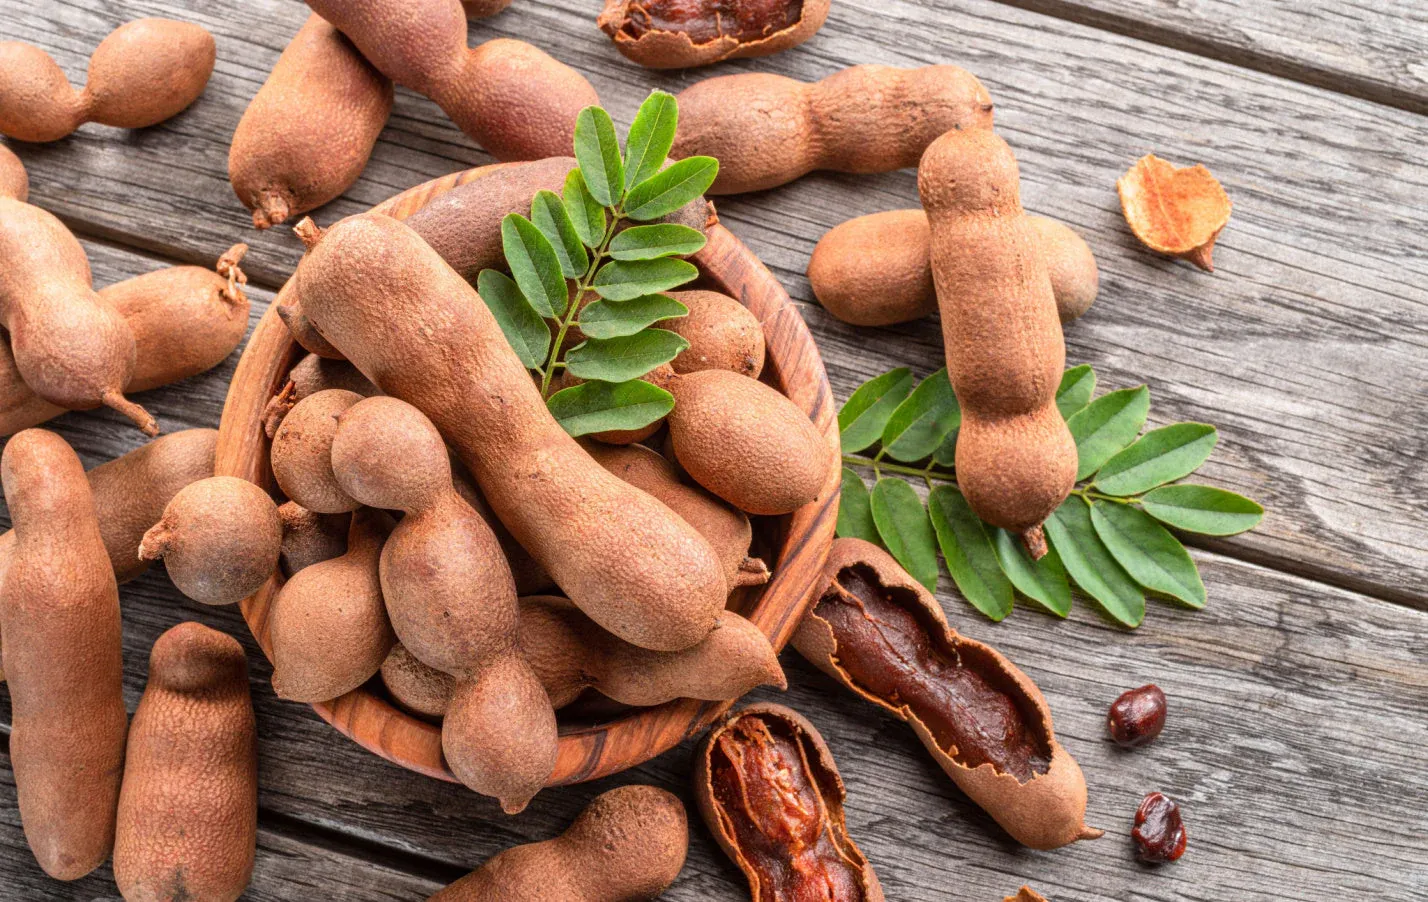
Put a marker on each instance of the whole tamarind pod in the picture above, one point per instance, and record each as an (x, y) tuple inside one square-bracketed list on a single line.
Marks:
[(309, 131), (678, 34), (59, 606), (327, 627), (628, 845), (219, 539), (1016, 460), (451, 599), (69, 345), (309, 376), (770, 793), (310, 538), (570, 654), (876, 270), (302, 452), (882, 635), (722, 334), (767, 130), (14, 181), (374, 287), (415, 687), (188, 808), (515, 100)]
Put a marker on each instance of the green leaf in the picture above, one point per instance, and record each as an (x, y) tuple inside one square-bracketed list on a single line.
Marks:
[(946, 454), (921, 422), (1160, 456), (624, 358), (651, 137), (667, 239), (603, 406), (1148, 552), (1043, 581), (527, 333), (867, 410), (905, 530), (625, 280), (1092, 565), (1203, 509), (597, 150), (586, 213), (1107, 425), (548, 214), (669, 189), (616, 319), (534, 265), (970, 558), (855, 510), (1077, 386)]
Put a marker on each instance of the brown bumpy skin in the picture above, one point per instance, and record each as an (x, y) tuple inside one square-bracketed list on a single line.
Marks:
[(309, 376), (876, 270), (69, 345), (1016, 460), (59, 606), (628, 845), (328, 629), (451, 599), (415, 687), (14, 181), (767, 130), (376, 289), (883, 636), (570, 654), (722, 334), (307, 134), (188, 810), (219, 539), (302, 452), (1026, 894), (677, 34), (310, 538), (747, 443), (770, 793), (515, 100)]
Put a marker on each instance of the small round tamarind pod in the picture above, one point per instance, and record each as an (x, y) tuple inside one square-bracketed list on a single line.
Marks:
[(70, 345), (677, 34), (570, 654), (628, 844), (327, 627), (219, 539), (59, 606), (747, 443), (415, 687), (451, 599), (722, 334), (309, 376), (309, 131), (14, 181), (1016, 460), (302, 452), (767, 130), (876, 270), (515, 100), (310, 538), (188, 808)]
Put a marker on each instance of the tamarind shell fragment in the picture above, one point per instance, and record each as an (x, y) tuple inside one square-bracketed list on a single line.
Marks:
[(882, 635), (677, 34)]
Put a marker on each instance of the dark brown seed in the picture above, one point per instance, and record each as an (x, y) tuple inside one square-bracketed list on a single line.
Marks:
[(1137, 717), (1159, 833)]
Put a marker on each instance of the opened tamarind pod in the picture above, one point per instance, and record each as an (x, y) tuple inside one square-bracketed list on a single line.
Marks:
[(678, 34), (882, 635)]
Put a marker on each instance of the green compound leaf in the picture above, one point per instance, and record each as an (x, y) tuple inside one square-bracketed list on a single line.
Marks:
[(1077, 386), (970, 557), (617, 319), (549, 215), (855, 510), (1203, 509), (1092, 565), (597, 150), (1105, 426), (1043, 581), (586, 213), (651, 136), (946, 454), (1160, 456), (1148, 552), (625, 280), (534, 265), (867, 411), (527, 333), (669, 189), (905, 530), (603, 406), (648, 242), (920, 423), (625, 358)]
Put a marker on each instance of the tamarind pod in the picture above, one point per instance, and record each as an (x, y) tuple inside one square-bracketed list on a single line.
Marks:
[(14, 181), (415, 687), (309, 376), (676, 34), (310, 538)]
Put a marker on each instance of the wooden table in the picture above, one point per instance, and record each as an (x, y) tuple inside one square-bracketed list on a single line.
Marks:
[(1297, 736)]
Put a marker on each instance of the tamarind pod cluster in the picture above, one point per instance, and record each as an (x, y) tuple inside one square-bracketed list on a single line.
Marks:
[(677, 34), (310, 538), (883, 636), (188, 808), (628, 844), (767, 130), (144, 72), (876, 270), (309, 131), (373, 286), (1016, 460), (59, 610), (14, 181), (515, 100)]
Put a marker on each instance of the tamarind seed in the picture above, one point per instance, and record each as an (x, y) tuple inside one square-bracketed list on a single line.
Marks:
[(1137, 717), (1159, 832)]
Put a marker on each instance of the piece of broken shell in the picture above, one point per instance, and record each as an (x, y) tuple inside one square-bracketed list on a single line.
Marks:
[(1173, 211)]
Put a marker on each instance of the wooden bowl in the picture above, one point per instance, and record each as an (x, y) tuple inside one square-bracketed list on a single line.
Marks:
[(799, 542)]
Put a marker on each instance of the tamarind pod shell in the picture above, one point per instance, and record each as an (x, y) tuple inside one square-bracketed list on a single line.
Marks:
[(671, 48)]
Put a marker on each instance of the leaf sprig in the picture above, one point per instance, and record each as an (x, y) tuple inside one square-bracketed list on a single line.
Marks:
[(600, 237), (1107, 538)]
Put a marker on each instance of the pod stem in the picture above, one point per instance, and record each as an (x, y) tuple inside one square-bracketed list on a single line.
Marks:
[(141, 417), (752, 572), (1087, 832), (1035, 541), (229, 269)]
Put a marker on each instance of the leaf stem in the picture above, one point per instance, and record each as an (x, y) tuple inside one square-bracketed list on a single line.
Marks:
[(582, 285), (877, 465)]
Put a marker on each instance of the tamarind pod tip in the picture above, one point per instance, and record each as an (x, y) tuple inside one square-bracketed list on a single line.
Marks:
[(1201, 257), (278, 407), (155, 542), (141, 417), (309, 232), (1087, 832), (752, 572), (271, 209), (1035, 541)]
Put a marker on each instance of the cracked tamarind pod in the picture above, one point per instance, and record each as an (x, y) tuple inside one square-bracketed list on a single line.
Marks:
[(679, 34)]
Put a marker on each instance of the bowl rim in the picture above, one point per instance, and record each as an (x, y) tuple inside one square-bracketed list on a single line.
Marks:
[(585, 752)]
